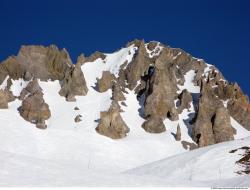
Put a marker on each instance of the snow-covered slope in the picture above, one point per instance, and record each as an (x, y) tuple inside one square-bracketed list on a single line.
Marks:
[(69, 153)]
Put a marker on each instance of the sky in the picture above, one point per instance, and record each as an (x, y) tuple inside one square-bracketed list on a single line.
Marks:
[(216, 30)]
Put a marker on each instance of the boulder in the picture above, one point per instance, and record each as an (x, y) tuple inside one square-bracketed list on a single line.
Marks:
[(44, 62), (154, 125), (74, 83), (78, 118), (33, 108), (212, 123), (111, 123)]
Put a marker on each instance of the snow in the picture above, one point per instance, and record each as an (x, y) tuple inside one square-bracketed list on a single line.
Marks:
[(115, 60), (241, 131), (188, 84), (17, 86), (209, 166), (4, 83), (74, 154)]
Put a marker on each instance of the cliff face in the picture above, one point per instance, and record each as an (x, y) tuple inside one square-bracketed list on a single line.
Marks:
[(167, 82)]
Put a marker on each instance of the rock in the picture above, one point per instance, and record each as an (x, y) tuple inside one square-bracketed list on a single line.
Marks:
[(138, 67), (212, 123), (33, 108), (81, 59), (178, 133), (3, 100), (10, 67), (41, 125), (222, 126), (151, 45), (76, 108), (74, 83), (154, 125), (95, 56), (185, 100), (44, 62), (111, 123), (70, 98), (106, 82), (31, 88), (161, 92), (124, 104), (188, 146), (78, 118)]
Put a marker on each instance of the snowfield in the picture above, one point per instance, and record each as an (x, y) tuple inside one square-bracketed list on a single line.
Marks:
[(73, 154)]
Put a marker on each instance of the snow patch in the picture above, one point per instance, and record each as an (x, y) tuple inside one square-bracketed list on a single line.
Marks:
[(188, 84)]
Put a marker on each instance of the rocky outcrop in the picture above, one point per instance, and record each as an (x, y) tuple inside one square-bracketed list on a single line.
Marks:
[(161, 91), (33, 108), (111, 123), (74, 83), (222, 126), (44, 62), (212, 124), (105, 82), (10, 67), (138, 67)]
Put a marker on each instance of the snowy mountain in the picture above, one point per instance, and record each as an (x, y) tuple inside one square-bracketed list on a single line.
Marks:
[(146, 115)]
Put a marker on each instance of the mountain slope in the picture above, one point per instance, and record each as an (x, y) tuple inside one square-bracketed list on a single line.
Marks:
[(163, 88)]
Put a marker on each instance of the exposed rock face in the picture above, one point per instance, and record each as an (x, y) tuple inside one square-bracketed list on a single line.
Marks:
[(106, 82), (154, 73), (74, 83), (222, 127), (154, 124), (3, 100), (111, 123), (162, 90), (44, 62), (33, 108), (138, 67), (47, 63), (212, 123)]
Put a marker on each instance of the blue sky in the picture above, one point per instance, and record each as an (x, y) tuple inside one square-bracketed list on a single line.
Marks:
[(217, 31)]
